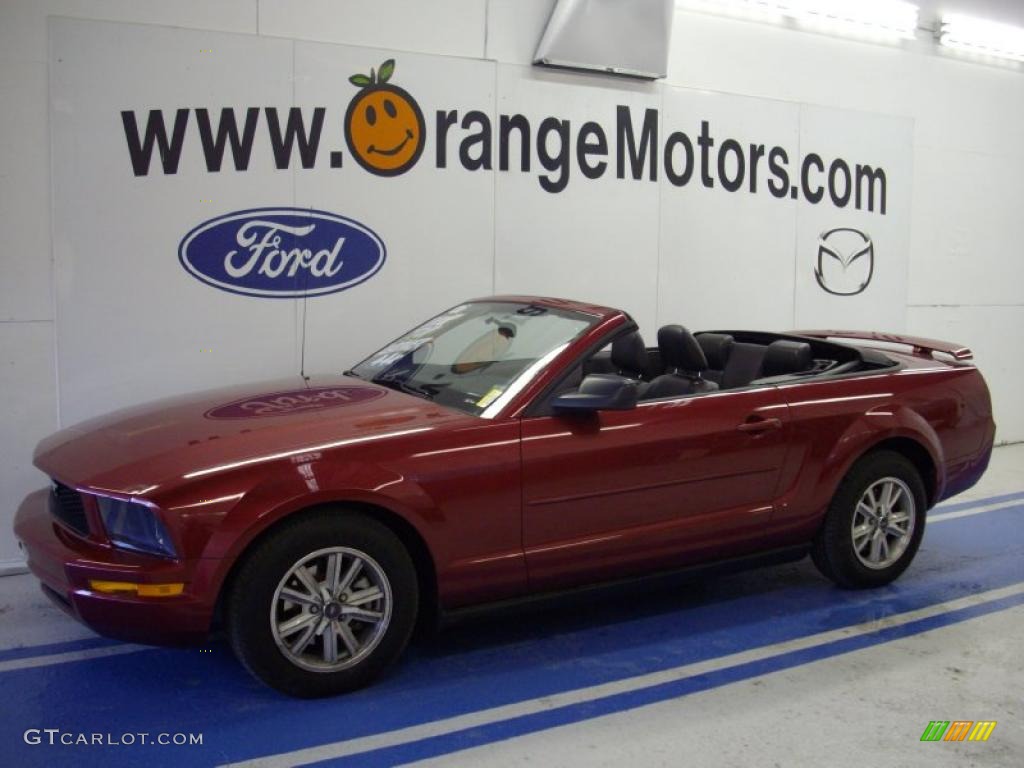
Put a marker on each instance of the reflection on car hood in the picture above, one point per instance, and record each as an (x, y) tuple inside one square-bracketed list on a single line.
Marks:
[(138, 447)]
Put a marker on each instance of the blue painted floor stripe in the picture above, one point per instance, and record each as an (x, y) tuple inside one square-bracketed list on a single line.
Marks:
[(521, 726), (52, 649), (489, 663)]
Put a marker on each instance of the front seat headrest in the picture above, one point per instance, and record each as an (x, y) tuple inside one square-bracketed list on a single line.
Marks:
[(629, 355), (717, 348), (680, 350), (784, 357)]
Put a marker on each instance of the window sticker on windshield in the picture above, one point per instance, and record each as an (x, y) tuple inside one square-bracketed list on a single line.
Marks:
[(490, 397)]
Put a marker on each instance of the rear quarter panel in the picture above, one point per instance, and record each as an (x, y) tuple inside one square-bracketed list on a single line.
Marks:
[(944, 408)]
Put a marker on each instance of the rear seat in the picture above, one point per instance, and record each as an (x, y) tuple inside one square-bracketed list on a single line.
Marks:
[(744, 365), (730, 364), (753, 362), (783, 359), (717, 348)]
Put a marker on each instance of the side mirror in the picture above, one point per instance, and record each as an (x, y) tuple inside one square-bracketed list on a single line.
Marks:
[(599, 392)]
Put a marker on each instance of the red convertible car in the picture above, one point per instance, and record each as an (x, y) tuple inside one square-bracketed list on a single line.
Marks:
[(508, 447)]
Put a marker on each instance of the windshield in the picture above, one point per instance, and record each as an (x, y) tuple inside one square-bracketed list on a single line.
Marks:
[(477, 356)]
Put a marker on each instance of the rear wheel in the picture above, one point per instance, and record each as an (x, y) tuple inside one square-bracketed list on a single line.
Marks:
[(874, 523), (323, 605)]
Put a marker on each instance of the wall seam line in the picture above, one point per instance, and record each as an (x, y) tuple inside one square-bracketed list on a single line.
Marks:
[(53, 241)]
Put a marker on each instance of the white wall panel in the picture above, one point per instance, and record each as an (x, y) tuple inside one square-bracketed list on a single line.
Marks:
[(970, 251), (448, 27), (596, 240), (131, 323), (962, 106), (28, 386), (727, 256), (23, 22), (25, 266), (437, 224)]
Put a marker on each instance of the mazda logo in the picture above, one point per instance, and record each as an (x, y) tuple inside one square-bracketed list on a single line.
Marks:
[(846, 261)]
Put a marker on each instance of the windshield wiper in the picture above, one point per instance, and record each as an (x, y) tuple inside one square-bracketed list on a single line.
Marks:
[(404, 386)]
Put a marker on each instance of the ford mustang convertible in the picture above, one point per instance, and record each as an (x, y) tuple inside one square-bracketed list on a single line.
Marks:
[(510, 446)]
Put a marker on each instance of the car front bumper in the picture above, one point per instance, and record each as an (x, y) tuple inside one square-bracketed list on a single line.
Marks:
[(66, 564)]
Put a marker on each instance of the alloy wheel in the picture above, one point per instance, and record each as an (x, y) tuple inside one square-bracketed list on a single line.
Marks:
[(883, 523), (331, 609)]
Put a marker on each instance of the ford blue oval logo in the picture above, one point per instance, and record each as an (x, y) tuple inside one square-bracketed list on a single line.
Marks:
[(282, 252)]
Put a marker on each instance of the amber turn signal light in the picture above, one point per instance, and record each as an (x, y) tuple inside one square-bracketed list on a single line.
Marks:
[(142, 590)]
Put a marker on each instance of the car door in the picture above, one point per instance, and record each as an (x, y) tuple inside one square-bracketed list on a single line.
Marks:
[(664, 484)]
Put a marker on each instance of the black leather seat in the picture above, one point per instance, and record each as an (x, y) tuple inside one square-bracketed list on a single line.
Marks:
[(717, 348), (784, 358), (744, 365), (756, 363), (629, 356), (684, 364), (600, 362)]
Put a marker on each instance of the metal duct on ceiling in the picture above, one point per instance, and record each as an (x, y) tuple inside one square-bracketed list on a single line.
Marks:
[(621, 37)]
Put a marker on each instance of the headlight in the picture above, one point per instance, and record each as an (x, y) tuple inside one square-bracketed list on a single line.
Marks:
[(134, 526)]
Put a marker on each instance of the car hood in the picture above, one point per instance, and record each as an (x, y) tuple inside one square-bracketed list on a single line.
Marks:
[(133, 450)]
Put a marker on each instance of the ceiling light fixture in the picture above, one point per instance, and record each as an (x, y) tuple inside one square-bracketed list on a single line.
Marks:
[(873, 18), (981, 37)]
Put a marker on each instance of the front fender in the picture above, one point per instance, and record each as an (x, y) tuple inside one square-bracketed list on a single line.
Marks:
[(302, 486)]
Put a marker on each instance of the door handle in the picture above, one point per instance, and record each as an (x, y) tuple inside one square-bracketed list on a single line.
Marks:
[(756, 424)]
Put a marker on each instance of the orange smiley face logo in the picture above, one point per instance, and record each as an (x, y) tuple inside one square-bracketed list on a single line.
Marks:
[(384, 126)]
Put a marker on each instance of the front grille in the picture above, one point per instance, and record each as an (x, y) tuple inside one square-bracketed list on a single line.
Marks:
[(67, 506)]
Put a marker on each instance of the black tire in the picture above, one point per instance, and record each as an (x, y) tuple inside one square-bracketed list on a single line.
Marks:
[(833, 550), (253, 590)]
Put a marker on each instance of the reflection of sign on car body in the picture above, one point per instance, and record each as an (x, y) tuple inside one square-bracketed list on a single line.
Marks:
[(846, 261), (281, 252), (293, 401)]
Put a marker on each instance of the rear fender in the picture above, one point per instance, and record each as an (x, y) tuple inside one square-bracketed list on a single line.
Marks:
[(870, 431)]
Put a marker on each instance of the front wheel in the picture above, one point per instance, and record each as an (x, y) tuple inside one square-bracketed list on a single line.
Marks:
[(874, 524), (323, 605)]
